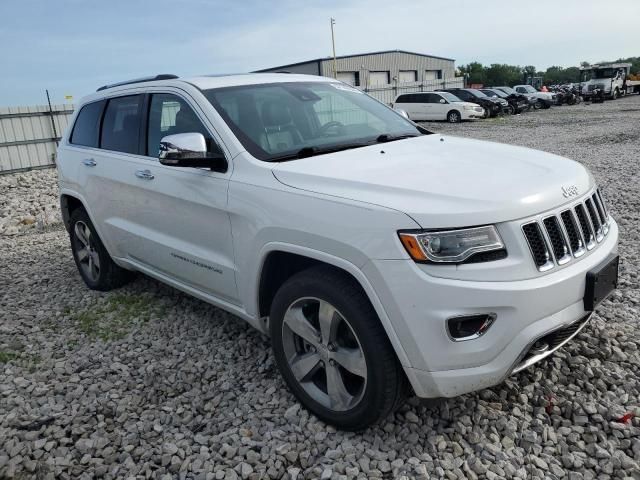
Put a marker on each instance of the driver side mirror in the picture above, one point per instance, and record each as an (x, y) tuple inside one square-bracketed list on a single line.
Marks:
[(442, 100), (190, 150)]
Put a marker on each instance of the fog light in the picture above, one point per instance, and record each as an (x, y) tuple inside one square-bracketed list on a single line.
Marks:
[(469, 327)]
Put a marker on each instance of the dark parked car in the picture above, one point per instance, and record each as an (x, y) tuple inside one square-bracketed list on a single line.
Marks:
[(516, 104), (492, 106), (510, 91)]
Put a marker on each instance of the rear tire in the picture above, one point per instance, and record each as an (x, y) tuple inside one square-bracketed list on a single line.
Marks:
[(454, 116), (324, 329), (94, 263)]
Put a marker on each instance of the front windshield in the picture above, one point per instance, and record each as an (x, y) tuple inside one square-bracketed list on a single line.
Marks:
[(604, 73), (530, 89), (499, 93), (279, 121), (476, 93), (508, 90), (449, 97)]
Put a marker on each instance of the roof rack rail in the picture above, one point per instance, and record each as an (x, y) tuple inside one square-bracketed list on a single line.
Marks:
[(162, 76)]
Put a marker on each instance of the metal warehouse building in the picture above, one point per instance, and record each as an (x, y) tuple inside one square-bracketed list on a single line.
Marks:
[(383, 74)]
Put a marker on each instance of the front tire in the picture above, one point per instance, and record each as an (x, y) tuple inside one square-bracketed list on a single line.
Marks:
[(454, 117), (332, 351), (94, 263), (615, 94)]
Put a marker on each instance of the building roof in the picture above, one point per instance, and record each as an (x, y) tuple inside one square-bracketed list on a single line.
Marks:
[(314, 60)]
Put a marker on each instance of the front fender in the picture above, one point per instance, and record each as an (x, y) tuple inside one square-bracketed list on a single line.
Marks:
[(342, 264)]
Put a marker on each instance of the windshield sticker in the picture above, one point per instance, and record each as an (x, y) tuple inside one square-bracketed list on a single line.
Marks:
[(346, 88)]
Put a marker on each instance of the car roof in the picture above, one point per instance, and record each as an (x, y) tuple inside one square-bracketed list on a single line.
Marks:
[(205, 82)]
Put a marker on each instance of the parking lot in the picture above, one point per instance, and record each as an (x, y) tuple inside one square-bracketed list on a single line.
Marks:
[(147, 381)]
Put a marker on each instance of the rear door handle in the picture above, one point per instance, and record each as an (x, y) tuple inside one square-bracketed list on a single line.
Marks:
[(89, 162), (145, 174)]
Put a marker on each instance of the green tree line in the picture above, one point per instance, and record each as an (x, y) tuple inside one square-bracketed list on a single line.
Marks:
[(502, 74)]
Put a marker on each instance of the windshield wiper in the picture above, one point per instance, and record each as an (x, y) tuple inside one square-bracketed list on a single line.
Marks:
[(306, 152), (385, 137)]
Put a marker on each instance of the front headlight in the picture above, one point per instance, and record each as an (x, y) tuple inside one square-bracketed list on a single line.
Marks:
[(468, 107), (450, 246)]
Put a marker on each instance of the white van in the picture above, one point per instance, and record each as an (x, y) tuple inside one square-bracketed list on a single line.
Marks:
[(437, 106)]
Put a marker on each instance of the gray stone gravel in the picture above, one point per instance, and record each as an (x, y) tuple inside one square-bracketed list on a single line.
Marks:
[(146, 382), (28, 201)]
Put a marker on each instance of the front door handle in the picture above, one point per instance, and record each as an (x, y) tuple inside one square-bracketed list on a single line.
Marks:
[(145, 174), (89, 162)]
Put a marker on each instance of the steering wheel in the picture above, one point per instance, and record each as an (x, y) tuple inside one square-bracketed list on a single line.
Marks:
[(324, 129)]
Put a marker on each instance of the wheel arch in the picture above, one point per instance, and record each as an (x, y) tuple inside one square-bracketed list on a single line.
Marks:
[(68, 204), (280, 261), (456, 111)]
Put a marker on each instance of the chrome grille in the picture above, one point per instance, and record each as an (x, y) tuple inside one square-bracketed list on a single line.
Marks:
[(559, 238)]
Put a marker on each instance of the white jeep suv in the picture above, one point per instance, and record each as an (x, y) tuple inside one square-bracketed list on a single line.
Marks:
[(379, 257)]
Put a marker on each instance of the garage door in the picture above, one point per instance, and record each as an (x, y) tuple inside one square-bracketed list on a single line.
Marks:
[(431, 74), (378, 78), (347, 77), (406, 76)]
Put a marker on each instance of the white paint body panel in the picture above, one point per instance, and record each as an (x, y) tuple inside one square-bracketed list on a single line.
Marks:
[(345, 209)]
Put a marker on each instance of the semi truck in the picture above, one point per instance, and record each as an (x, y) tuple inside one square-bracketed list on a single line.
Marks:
[(607, 80)]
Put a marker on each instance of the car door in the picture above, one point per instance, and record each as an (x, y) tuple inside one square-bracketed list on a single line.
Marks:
[(423, 106), (439, 106), (172, 221), (404, 102)]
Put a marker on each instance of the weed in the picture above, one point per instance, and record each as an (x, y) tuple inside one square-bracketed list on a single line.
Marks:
[(116, 316)]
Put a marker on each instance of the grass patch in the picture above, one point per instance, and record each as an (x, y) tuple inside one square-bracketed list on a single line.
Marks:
[(6, 357), (114, 318), (26, 360)]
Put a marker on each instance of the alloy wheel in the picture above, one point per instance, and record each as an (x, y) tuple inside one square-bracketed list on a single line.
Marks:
[(324, 354), (86, 252)]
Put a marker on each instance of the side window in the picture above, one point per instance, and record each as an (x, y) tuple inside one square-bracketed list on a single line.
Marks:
[(431, 98), (121, 124), (403, 99), (170, 115), (85, 130)]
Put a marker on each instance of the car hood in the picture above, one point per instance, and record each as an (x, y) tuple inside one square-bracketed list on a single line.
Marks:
[(466, 104), (442, 181)]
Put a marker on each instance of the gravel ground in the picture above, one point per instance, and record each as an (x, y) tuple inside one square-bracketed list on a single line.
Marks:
[(148, 382)]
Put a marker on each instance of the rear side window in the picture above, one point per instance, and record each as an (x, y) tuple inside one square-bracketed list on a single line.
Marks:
[(85, 130), (121, 124)]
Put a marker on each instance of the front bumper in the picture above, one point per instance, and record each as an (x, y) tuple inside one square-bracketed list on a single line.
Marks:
[(419, 304), (471, 114)]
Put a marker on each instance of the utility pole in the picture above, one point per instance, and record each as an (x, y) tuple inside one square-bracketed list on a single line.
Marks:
[(333, 42)]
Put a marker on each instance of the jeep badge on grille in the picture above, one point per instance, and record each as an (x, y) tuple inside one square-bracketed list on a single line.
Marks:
[(570, 191)]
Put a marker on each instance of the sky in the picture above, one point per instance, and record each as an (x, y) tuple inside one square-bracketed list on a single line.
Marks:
[(72, 47)]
